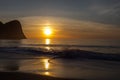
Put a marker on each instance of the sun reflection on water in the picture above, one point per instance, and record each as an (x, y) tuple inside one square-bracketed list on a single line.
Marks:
[(48, 48), (47, 42)]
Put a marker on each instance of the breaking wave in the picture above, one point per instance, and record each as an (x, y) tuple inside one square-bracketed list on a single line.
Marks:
[(9, 52)]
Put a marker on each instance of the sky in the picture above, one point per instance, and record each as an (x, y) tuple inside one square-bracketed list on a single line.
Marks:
[(99, 19)]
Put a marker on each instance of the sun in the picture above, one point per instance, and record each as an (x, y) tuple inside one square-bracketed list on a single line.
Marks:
[(47, 31)]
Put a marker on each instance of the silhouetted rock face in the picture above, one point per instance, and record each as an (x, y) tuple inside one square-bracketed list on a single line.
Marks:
[(11, 30)]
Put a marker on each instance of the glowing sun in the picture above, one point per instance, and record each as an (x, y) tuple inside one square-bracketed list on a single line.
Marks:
[(47, 31)]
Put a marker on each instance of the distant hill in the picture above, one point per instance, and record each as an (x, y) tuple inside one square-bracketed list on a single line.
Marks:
[(11, 30)]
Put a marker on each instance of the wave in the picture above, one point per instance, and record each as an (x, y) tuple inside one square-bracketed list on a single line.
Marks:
[(60, 45), (66, 54)]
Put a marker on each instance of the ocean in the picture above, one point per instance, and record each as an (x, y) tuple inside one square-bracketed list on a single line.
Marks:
[(43, 56), (96, 45)]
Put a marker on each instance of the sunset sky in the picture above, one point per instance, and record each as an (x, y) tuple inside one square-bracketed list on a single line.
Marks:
[(91, 19)]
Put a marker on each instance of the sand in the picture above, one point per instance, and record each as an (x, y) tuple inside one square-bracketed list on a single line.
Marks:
[(27, 76)]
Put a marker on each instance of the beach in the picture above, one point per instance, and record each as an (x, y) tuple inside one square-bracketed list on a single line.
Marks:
[(38, 65), (30, 61), (27, 76), (59, 39)]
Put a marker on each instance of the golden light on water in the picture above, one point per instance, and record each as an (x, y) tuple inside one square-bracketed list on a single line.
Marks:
[(48, 48), (47, 41)]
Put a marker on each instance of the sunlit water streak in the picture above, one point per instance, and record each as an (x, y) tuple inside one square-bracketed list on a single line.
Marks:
[(47, 42)]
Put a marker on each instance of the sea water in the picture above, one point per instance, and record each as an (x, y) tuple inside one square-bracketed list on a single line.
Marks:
[(96, 45), (23, 56)]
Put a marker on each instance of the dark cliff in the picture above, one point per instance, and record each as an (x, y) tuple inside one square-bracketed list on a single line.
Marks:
[(11, 30)]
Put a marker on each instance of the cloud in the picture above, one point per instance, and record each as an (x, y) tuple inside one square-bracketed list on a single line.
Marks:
[(69, 27), (98, 11), (105, 12)]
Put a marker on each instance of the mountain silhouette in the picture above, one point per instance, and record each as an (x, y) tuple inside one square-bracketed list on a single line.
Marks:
[(11, 30)]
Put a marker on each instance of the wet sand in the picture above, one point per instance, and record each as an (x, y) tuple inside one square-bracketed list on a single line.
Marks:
[(27, 76)]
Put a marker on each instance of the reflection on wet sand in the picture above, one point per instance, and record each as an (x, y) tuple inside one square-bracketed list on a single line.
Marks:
[(47, 73), (46, 66), (11, 65)]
